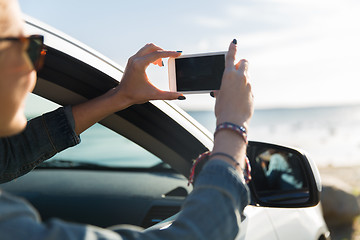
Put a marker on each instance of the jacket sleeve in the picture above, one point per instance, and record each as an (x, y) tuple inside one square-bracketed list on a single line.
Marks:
[(42, 138), (211, 211)]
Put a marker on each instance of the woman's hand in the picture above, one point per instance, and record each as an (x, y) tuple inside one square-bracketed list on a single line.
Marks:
[(234, 101), (135, 87)]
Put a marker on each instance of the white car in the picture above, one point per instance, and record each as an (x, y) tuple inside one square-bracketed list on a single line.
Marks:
[(132, 168)]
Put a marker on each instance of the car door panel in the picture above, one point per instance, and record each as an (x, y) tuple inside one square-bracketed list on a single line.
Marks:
[(258, 225)]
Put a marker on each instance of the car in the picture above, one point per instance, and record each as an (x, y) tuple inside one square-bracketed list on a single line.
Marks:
[(132, 167)]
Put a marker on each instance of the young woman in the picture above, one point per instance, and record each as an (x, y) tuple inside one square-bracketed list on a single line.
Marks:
[(220, 183)]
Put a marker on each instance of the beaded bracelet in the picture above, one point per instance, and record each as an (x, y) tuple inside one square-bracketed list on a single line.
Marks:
[(231, 126), (204, 157), (247, 170), (197, 166)]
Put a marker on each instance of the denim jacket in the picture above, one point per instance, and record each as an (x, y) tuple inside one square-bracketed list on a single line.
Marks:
[(211, 211), (43, 137)]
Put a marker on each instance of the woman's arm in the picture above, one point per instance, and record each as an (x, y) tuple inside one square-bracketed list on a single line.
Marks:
[(55, 131), (234, 103), (134, 88), (42, 138)]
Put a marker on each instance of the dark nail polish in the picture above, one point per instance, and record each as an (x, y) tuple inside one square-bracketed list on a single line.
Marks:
[(234, 41), (181, 98), (162, 63), (212, 94), (179, 51)]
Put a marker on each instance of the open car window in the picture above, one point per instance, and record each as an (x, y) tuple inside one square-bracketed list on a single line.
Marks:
[(99, 145)]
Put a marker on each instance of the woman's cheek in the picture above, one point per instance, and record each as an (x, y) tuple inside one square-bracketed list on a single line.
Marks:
[(32, 81), (14, 88)]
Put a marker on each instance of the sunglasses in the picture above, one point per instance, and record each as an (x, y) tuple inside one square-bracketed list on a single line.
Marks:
[(35, 48)]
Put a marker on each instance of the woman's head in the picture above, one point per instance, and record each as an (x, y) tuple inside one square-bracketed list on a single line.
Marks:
[(17, 76)]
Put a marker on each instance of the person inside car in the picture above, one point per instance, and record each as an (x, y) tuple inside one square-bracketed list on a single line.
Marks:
[(279, 172), (211, 211)]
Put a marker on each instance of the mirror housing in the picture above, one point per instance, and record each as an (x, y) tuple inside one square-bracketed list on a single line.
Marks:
[(282, 177)]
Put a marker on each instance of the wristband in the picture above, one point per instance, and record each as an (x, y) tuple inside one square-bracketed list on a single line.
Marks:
[(231, 126), (204, 157), (197, 166)]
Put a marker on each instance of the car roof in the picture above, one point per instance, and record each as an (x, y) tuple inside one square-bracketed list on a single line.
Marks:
[(73, 73)]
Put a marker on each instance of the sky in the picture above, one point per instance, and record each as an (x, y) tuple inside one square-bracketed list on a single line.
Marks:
[(301, 52)]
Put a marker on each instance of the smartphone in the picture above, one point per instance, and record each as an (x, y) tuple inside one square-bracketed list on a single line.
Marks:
[(196, 73)]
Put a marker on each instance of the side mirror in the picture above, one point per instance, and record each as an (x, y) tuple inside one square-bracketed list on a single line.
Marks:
[(282, 177)]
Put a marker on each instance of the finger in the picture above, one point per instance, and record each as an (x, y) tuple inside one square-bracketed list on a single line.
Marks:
[(165, 95), (244, 63), (214, 93), (237, 66), (159, 62), (154, 56), (243, 66), (230, 56), (148, 48)]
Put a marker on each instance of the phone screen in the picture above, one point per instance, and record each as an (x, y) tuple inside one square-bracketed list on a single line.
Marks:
[(199, 73)]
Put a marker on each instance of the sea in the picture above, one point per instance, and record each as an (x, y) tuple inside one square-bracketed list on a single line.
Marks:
[(329, 135)]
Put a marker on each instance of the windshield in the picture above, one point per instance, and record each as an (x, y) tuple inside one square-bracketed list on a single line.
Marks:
[(99, 145)]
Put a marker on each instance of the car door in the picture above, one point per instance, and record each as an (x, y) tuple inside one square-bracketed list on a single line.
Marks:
[(297, 223), (105, 180), (256, 225)]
